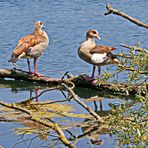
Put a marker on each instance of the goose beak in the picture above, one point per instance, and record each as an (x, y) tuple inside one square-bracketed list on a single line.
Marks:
[(98, 37)]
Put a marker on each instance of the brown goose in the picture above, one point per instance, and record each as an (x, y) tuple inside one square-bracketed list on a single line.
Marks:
[(31, 46), (97, 55)]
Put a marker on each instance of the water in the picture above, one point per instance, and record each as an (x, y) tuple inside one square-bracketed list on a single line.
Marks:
[(66, 23)]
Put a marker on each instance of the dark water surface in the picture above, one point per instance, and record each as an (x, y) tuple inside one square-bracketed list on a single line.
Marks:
[(66, 23)]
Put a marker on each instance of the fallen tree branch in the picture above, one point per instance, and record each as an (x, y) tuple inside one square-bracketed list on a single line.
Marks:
[(18, 74), (72, 81), (96, 116), (116, 88), (53, 126), (23, 75), (122, 14)]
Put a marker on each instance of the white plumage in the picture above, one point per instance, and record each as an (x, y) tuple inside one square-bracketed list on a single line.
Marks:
[(98, 58)]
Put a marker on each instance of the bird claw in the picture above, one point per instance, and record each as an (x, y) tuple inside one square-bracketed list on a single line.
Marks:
[(38, 74), (89, 79), (94, 82)]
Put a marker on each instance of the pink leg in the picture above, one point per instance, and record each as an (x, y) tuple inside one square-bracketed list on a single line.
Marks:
[(35, 69), (35, 66), (28, 62), (99, 77), (93, 72), (91, 79)]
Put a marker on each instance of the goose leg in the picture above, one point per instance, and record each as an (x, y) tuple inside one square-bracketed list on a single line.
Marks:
[(28, 62), (91, 79), (35, 69), (99, 72), (93, 72)]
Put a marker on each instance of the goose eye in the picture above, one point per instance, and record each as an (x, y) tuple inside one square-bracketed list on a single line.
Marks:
[(41, 23), (94, 32)]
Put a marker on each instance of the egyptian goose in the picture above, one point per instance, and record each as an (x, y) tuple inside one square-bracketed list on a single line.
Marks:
[(97, 55), (31, 46)]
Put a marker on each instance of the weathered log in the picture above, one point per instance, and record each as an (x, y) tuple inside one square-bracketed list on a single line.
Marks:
[(122, 14), (23, 75), (118, 88)]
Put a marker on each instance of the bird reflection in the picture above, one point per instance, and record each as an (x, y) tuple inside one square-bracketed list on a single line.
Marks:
[(33, 93)]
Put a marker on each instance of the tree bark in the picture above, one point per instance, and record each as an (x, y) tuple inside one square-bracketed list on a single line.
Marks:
[(122, 14), (117, 88), (23, 75)]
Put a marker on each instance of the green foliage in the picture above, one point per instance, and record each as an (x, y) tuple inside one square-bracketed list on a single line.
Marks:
[(130, 124), (134, 62)]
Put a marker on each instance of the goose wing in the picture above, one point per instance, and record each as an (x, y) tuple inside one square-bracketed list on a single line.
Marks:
[(26, 42), (102, 49)]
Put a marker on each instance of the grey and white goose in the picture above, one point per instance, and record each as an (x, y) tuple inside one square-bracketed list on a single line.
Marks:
[(97, 55)]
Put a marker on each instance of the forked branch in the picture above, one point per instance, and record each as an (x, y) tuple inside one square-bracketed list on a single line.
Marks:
[(91, 112), (122, 14)]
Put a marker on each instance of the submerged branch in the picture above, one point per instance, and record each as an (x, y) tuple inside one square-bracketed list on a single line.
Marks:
[(122, 14), (53, 126), (96, 116)]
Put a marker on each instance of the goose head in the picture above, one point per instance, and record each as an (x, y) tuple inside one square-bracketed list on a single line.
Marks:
[(38, 25), (93, 34)]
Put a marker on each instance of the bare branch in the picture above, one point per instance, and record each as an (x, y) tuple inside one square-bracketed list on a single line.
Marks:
[(122, 14), (136, 48), (96, 116), (53, 126)]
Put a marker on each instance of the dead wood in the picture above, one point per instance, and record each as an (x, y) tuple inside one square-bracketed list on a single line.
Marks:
[(53, 126), (91, 112), (122, 14), (80, 80), (23, 75), (119, 88)]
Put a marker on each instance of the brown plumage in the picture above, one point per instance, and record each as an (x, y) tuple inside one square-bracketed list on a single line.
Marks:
[(31, 46), (102, 49), (96, 55)]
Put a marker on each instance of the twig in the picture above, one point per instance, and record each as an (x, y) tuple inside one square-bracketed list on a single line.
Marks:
[(124, 55), (54, 126), (136, 48), (132, 69), (96, 116), (120, 13), (65, 74)]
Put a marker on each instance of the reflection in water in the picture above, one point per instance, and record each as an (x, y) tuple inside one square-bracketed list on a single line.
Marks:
[(58, 111), (66, 23)]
